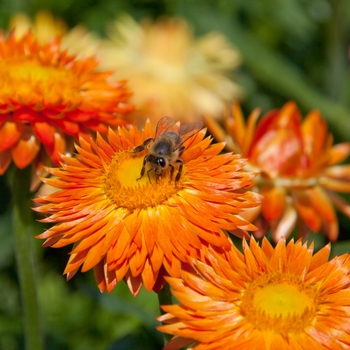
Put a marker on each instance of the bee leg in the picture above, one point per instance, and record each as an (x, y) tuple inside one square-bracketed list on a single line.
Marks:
[(143, 169), (171, 171), (149, 179), (181, 149), (178, 175), (143, 146)]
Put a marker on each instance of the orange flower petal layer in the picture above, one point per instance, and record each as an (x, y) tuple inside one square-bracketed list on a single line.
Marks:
[(219, 308), (298, 165), (138, 230), (52, 93)]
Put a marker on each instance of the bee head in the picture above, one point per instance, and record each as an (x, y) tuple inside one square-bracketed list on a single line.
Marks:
[(161, 162)]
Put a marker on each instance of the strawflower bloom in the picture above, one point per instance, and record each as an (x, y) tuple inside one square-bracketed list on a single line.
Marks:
[(138, 229), (48, 97), (266, 298), (300, 171), (170, 71)]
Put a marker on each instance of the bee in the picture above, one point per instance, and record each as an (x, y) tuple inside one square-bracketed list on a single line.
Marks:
[(167, 147)]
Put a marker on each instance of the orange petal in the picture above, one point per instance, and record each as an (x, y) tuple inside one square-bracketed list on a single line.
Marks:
[(340, 172), (149, 276), (306, 211), (320, 258), (325, 210), (215, 129), (99, 276), (68, 126), (45, 132), (277, 151), (134, 283), (26, 149), (273, 204), (25, 115), (105, 279), (59, 147), (285, 224), (332, 230), (235, 127), (340, 203), (287, 118), (251, 214), (321, 203), (10, 133), (314, 129), (5, 161), (333, 184), (339, 152), (251, 125)]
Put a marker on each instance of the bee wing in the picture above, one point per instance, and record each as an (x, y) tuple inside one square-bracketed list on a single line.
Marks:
[(188, 130), (165, 124)]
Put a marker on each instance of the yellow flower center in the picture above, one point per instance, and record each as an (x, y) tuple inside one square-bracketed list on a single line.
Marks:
[(127, 189), (282, 303), (24, 78)]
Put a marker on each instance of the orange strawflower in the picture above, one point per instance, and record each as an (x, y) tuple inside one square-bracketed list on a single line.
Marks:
[(46, 96), (299, 168), (137, 229), (172, 72), (266, 298)]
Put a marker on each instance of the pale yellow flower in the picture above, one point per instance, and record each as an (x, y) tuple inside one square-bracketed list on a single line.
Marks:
[(171, 72), (45, 27)]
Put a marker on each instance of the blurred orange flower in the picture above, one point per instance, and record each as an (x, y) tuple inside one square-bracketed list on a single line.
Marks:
[(299, 168), (171, 72), (137, 229), (46, 96), (266, 298)]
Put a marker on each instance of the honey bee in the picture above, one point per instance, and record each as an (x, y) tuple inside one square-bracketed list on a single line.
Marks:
[(167, 147)]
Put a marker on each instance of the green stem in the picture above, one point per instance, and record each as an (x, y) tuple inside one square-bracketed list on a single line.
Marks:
[(165, 298), (22, 221)]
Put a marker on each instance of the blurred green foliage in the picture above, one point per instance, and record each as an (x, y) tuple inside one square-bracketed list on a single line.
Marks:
[(291, 50)]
